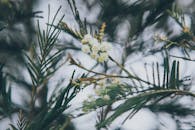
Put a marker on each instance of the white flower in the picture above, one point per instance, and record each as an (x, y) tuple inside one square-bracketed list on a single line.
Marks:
[(93, 41), (106, 97), (94, 55), (105, 46), (103, 57), (86, 39), (95, 47), (85, 48), (160, 37)]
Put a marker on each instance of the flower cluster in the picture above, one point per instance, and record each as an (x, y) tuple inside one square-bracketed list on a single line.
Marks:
[(96, 49), (106, 92), (160, 37), (105, 89)]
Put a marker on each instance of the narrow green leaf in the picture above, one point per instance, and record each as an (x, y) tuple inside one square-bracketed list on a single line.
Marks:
[(177, 75), (172, 79), (13, 127), (166, 70), (33, 77), (153, 75), (158, 73)]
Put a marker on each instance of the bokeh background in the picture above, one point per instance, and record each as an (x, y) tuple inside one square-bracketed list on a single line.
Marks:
[(131, 25)]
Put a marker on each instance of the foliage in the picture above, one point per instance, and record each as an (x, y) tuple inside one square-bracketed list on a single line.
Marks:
[(117, 88)]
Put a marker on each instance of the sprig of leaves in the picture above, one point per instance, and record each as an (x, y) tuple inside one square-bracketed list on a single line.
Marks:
[(170, 86)]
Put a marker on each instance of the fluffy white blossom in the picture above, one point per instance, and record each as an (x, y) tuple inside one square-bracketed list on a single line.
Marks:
[(93, 41), (103, 57), (86, 38), (97, 50), (85, 48), (106, 97), (94, 55), (160, 37), (95, 47), (105, 46)]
